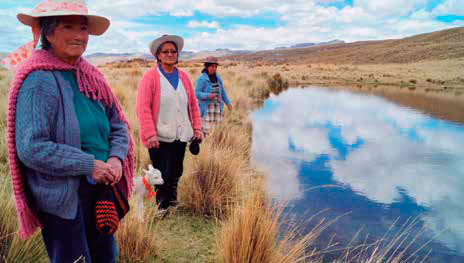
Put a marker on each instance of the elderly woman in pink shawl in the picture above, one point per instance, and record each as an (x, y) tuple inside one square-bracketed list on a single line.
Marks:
[(68, 138)]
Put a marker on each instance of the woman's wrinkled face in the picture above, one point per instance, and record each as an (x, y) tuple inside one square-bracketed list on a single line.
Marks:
[(168, 54), (212, 69), (69, 40)]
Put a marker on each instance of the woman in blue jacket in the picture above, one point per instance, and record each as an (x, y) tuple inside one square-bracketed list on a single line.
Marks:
[(211, 95)]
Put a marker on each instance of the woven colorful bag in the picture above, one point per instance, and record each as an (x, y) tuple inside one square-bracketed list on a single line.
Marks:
[(110, 207)]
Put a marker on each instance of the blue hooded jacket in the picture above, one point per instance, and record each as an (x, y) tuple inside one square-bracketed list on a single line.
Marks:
[(203, 92)]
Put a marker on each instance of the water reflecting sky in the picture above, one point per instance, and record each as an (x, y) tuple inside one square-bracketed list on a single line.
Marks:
[(384, 161)]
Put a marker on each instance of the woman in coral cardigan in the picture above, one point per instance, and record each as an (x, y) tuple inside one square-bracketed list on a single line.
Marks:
[(168, 113)]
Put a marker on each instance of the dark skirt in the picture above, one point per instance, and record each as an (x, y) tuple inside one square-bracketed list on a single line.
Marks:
[(77, 240)]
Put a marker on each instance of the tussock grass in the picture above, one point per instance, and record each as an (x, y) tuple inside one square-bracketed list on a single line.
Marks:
[(31, 250), (213, 186), (249, 235), (400, 245), (12, 248), (253, 234), (277, 83), (136, 241), (232, 137)]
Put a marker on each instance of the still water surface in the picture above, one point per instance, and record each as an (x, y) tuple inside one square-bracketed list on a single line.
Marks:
[(376, 163)]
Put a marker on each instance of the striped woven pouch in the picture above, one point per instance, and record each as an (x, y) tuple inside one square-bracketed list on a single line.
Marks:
[(110, 207)]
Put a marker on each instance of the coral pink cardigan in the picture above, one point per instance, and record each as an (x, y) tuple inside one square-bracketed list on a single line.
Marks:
[(148, 103)]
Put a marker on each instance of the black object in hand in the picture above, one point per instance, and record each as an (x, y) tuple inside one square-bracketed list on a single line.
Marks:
[(194, 147)]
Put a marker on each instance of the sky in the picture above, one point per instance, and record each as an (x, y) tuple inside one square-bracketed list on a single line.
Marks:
[(246, 24)]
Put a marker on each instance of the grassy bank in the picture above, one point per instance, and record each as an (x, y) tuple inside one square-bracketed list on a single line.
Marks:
[(224, 214)]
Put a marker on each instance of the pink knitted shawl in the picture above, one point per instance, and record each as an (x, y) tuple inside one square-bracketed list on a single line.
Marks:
[(92, 83)]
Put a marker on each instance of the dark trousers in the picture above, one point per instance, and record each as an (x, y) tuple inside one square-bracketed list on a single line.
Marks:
[(77, 240), (169, 159)]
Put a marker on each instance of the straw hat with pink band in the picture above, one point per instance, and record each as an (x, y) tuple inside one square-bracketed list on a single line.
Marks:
[(97, 25)]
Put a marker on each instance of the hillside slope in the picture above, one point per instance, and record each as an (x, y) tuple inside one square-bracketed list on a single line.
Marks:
[(440, 45)]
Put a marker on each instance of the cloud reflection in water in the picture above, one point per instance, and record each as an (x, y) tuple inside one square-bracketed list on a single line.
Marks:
[(376, 148)]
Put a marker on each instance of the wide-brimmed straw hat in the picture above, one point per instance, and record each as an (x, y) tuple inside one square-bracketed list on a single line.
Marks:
[(155, 44), (211, 60), (97, 25)]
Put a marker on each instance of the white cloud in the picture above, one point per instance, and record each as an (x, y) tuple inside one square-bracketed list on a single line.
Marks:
[(427, 166), (124, 37), (454, 7), (308, 22), (136, 8), (196, 24), (293, 21), (13, 34), (381, 8)]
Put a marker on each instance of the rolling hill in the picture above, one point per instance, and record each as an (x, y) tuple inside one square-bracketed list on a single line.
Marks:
[(102, 58), (440, 45)]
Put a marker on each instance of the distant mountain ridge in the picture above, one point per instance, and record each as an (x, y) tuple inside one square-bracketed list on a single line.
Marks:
[(303, 45), (439, 45), (101, 58)]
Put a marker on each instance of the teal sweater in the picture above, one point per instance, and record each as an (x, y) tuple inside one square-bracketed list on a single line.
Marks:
[(94, 125)]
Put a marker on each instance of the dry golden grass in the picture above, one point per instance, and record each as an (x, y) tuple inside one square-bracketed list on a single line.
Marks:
[(220, 181), (394, 246), (253, 234), (229, 135), (135, 240), (249, 235), (12, 248), (213, 186)]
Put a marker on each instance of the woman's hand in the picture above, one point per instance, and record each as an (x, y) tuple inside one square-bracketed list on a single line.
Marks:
[(153, 142), (213, 96), (198, 135), (116, 165), (229, 106), (103, 173)]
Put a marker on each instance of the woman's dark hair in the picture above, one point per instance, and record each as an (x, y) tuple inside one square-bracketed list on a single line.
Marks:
[(205, 68), (48, 24), (158, 51)]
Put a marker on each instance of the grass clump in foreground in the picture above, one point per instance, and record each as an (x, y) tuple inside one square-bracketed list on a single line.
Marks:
[(251, 235), (213, 186), (12, 248)]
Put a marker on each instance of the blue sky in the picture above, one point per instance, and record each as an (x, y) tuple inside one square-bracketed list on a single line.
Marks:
[(247, 24)]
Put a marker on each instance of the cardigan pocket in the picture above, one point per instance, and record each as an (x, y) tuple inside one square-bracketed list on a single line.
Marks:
[(166, 131), (49, 192)]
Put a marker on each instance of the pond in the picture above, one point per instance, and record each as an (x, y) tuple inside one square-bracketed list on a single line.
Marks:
[(372, 164)]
